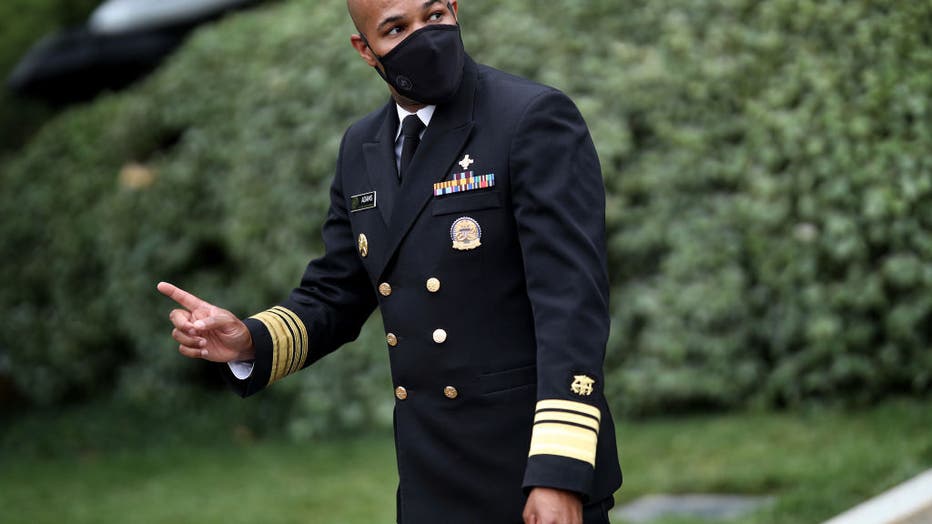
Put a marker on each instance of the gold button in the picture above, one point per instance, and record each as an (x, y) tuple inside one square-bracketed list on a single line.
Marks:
[(391, 339), (401, 393), (450, 392), (440, 336), (363, 246), (385, 289), (433, 285)]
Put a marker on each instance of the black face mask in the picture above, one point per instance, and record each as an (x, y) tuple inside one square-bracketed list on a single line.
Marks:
[(427, 66)]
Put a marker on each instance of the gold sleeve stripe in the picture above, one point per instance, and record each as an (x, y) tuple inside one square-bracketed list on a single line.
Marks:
[(568, 418), (287, 359), (302, 337), (289, 341), (291, 322), (568, 405), (279, 341), (564, 441)]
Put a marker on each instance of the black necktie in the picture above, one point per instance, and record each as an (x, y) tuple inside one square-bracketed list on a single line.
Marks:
[(411, 131)]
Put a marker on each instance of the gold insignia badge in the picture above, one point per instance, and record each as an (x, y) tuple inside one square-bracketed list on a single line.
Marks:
[(582, 385), (363, 246), (466, 234)]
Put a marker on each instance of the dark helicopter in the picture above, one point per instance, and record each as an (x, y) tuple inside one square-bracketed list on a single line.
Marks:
[(122, 41)]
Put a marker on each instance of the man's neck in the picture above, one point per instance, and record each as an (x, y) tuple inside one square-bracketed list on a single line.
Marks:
[(406, 103)]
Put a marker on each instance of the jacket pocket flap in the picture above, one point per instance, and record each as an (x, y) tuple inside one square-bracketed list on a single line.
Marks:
[(507, 379), (467, 202)]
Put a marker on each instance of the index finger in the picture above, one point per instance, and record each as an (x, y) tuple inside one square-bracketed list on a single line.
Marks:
[(181, 296)]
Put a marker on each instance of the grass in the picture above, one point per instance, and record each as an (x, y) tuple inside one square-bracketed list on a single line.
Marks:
[(817, 463), (349, 482)]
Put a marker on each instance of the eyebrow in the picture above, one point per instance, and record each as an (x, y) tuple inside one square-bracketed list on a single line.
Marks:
[(394, 18), (389, 20)]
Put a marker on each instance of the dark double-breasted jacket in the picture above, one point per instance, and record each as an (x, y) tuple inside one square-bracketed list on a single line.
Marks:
[(488, 264)]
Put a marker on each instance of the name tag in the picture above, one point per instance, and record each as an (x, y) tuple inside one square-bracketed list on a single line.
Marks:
[(362, 202)]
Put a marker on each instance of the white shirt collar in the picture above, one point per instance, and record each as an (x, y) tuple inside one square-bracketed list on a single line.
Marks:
[(425, 114)]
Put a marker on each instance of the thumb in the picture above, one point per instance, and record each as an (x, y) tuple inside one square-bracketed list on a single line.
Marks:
[(214, 322)]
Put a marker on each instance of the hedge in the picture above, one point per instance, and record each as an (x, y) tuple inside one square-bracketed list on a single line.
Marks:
[(766, 165)]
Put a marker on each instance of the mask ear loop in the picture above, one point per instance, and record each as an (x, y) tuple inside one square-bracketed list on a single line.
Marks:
[(374, 54)]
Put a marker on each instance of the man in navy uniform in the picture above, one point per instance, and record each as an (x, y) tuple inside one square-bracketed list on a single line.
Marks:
[(470, 209)]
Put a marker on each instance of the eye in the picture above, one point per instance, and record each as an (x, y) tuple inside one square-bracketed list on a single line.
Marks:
[(394, 30), (435, 16)]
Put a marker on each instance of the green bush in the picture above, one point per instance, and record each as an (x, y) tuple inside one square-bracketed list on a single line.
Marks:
[(765, 162), (771, 238)]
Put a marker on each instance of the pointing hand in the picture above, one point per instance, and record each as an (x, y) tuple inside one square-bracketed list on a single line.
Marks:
[(206, 331)]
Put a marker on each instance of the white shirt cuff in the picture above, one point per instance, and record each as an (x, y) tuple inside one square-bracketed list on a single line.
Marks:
[(241, 369)]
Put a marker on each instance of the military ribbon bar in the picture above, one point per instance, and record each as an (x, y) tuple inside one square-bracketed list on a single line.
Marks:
[(465, 181)]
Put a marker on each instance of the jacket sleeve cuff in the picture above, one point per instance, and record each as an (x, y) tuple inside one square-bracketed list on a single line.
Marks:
[(262, 366), (563, 446), (552, 471)]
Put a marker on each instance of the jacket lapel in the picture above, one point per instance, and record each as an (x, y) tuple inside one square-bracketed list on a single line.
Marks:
[(442, 142), (380, 163)]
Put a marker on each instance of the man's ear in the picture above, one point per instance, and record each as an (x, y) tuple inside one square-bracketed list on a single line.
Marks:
[(456, 8), (363, 49)]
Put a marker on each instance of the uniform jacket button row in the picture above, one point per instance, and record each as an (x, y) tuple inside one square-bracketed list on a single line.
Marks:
[(439, 336), (433, 286), (450, 392)]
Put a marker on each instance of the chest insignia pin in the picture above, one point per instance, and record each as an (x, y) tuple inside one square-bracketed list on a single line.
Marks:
[(363, 246), (466, 234), (466, 162)]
